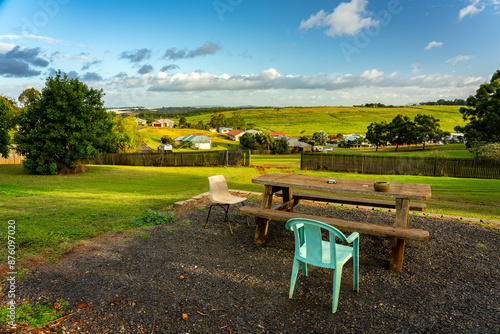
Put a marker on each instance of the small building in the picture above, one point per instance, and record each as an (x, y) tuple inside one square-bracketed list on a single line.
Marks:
[(163, 123), (141, 122), (199, 142), (295, 145), (235, 135), (224, 129), (254, 132), (275, 135), (165, 148)]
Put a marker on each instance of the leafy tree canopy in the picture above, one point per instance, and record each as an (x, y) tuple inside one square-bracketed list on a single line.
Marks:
[(320, 138), (67, 124), (483, 114), (6, 124)]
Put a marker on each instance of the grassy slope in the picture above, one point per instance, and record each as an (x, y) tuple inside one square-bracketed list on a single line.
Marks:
[(152, 136), (52, 211), (298, 121)]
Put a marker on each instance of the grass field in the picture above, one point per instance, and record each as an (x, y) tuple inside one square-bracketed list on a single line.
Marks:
[(52, 212), (295, 122)]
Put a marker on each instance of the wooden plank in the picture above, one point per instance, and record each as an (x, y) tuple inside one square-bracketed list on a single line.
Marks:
[(356, 201), (359, 187), (344, 225)]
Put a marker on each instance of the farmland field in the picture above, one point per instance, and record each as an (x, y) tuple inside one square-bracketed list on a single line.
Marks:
[(295, 122)]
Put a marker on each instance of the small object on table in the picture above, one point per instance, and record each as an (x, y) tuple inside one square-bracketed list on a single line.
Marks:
[(331, 181), (381, 186)]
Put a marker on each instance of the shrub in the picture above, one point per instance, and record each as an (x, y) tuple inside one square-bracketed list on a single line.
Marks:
[(150, 218), (485, 150)]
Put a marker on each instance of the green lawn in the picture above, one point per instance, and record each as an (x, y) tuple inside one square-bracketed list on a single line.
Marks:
[(54, 211)]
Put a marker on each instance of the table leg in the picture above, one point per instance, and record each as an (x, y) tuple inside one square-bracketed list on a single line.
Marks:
[(398, 245), (262, 223), (287, 197)]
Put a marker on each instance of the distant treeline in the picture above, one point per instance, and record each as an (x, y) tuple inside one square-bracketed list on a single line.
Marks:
[(175, 112), (441, 102)]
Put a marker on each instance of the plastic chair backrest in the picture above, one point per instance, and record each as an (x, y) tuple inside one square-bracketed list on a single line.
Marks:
[(309, 246), (217, 187)]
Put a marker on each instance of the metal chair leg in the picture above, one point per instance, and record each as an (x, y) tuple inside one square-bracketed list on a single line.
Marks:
[(209, 210)]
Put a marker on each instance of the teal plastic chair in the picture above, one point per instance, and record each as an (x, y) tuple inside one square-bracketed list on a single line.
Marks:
[(311, 249)]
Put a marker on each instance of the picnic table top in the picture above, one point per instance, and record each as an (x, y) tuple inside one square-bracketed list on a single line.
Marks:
[(416, 191)]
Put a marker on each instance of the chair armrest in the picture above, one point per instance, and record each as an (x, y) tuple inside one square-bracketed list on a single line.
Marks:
[(352, 237)]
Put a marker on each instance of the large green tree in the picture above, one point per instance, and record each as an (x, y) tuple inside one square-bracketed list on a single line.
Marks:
[(67, 124), (124, 138), (401, 131), (426, 128), (483, 114), (378, 134), (6, 124)]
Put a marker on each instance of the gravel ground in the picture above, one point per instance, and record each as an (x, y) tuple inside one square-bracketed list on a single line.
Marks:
[(126, 283)]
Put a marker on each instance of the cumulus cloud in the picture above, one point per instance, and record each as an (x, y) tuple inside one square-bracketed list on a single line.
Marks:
[(91, 76), (475, 7), (371, 74), (18, 62), (348, 18), (206, 49), (86, 66), (433, 44), (458, 59), (136, 56), (145, 69), (167, 68)]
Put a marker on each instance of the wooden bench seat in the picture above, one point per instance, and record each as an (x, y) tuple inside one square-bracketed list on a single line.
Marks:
[(344, 225), (355, 201)]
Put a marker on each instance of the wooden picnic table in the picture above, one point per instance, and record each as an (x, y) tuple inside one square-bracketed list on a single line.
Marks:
[(401, 192)]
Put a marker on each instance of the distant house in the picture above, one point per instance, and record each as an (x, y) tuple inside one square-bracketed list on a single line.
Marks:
[(163, 123), (141, 122), (275, 135), (295, 145), (213, 130), (254, 132), (235, 135), (224, 130), (455, 138), (200, 142), (335, 139)]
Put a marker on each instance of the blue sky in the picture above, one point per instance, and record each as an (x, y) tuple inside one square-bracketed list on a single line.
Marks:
[(242, 52)]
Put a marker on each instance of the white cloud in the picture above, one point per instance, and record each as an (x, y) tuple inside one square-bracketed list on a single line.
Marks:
[(4, 47), (347, 19), (30, 36), (458, 59), (415, 68), (373, 74), (433, 44), (475, 7)]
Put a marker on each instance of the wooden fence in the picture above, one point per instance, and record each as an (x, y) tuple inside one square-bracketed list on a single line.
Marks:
[(13, 158), (160, 159), (373, 164)]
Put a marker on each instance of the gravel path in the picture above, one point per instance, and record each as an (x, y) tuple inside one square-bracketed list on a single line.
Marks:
[(225, 284)]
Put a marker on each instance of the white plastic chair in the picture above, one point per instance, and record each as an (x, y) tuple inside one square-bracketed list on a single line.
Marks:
[(220, 196)]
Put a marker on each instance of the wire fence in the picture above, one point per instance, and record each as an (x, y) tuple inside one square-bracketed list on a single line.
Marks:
[(429, 166)]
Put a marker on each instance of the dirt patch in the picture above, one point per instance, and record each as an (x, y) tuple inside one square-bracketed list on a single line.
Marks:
[(145, 283)]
